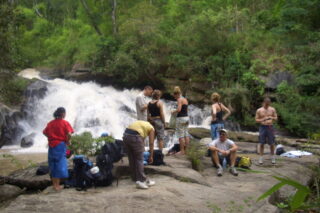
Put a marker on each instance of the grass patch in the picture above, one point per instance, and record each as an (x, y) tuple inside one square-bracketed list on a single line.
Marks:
[(195, 153)]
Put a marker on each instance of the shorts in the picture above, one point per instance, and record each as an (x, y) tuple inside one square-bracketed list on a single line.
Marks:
[(159, 127), (182, 124), (221, 157), (266, 133), (58, 164)]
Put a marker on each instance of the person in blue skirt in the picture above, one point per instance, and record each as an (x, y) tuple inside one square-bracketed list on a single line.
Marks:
[(58, 132)]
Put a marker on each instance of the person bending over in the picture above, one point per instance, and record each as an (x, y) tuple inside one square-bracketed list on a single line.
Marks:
[(58, 132), (224, 148), (133, 139), (266, 115)]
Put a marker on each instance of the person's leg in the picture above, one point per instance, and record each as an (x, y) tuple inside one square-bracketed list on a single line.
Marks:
[(212, 131), (215, 159), (233, 158), (262, 140), (271, 140), (138, 149), (127, 140), (160, 133), (182, 146)]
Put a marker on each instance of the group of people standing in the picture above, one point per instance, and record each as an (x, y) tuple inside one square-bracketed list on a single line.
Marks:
[(151, 124)]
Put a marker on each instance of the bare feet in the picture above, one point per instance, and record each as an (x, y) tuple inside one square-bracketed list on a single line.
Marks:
[(180, 153), (57, 188)]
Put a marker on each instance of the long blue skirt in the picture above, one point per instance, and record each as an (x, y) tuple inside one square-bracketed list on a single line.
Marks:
[(58, 163)]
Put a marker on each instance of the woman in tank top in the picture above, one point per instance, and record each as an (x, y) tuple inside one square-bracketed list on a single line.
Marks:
[(218, 116), (156, 116), (182, 121)]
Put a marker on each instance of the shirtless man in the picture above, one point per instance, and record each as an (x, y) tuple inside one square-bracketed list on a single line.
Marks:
[(266, 115)]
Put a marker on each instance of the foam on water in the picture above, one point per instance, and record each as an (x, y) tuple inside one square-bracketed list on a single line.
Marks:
[(89, 107)]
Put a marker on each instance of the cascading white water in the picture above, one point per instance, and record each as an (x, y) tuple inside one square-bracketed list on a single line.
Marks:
[(89, 107)]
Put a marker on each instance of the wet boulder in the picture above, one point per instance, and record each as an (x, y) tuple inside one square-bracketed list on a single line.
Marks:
[(28, 140)]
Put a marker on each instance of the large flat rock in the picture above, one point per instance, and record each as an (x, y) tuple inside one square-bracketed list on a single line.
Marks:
[(178, 189)]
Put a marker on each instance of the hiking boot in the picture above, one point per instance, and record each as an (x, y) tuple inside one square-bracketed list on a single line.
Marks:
[(261, 160), (220, 171), (233, 171), (273, 159), (150, 183), (141, 185)]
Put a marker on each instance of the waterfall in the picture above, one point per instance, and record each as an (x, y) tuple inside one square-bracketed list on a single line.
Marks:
[(90, 107)]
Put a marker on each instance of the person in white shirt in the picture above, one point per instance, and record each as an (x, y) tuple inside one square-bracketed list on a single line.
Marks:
[(142, 103), (224, 148)]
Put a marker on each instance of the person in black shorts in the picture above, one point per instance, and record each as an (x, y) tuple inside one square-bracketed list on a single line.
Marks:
[(266, 115)]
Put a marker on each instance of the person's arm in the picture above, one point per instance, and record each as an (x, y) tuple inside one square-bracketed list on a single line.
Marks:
[(151, 144), (68, 142), (258, 118), (148, 114), (179, 106), (225, 109), (274, 115), (234, 148), (214, 112), (141, 104), (162, 113)]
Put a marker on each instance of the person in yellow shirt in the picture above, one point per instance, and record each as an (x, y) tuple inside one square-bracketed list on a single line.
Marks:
[(133, 139)]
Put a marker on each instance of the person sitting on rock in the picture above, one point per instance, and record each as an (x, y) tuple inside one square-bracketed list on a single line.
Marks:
[(58, 132), (133, 138), (222, 149)]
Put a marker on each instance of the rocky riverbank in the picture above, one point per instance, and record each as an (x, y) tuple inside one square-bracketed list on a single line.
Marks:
[(179, 189)]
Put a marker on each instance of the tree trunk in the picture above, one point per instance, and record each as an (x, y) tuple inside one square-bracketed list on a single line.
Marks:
[(113, 16), (93, 22)]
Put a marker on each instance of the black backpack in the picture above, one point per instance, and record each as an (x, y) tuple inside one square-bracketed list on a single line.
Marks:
[(81, 165), (114, 150), (158, 158), (105, 178)]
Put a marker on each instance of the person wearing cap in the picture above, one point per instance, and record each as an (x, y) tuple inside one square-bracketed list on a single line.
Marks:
[(142, 103), (266, 115), (58, 132), (133, 139), (224, 148)]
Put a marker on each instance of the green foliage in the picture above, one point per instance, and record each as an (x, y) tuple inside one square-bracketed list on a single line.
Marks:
[(82, 143), (85, 144), (230, 44), (297, 200), (11, 89), (195, 153)]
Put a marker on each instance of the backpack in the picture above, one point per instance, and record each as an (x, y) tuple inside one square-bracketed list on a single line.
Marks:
[(81, 165), (158, 158), (114, 150), (243, 162), (105, 164), (279, 149), (42, 170)]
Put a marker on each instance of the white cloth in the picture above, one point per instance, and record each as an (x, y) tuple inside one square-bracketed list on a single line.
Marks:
[(141, 101), (226, 145), (295, 154)]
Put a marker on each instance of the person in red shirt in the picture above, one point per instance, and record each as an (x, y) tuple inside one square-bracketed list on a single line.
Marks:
[(58, 132)]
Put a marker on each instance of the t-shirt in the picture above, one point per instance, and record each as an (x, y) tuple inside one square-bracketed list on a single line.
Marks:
[(141, 101), (57, 131), (142, 127), (226, 145)]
